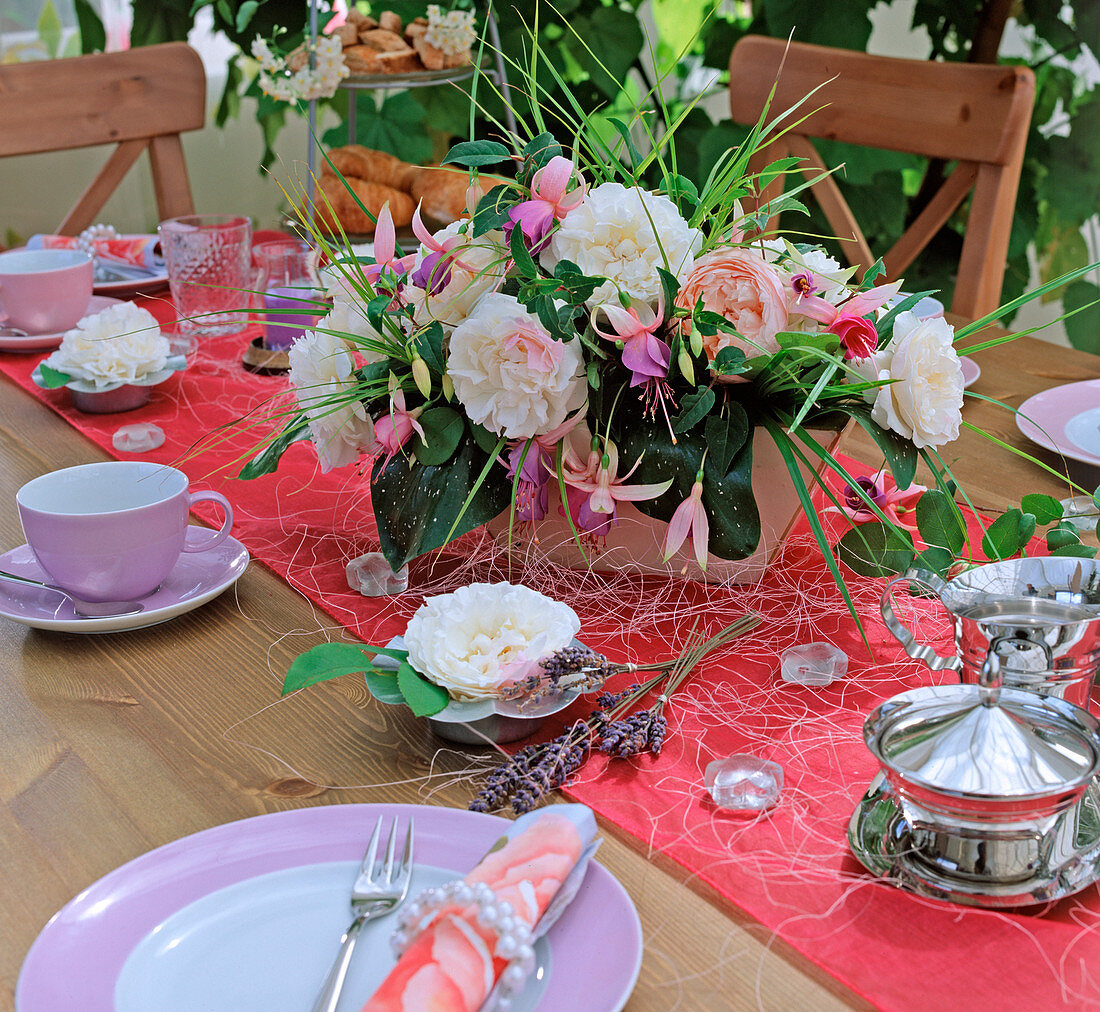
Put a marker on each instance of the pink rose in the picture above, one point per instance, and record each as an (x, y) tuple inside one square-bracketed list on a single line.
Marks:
[(742, 286)]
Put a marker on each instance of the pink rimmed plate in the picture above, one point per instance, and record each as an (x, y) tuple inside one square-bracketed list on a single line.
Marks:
[(248, 915), (971, 371), (1065, 420)]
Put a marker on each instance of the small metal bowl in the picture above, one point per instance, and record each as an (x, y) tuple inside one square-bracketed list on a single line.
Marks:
[(105, 402), (983, 776)]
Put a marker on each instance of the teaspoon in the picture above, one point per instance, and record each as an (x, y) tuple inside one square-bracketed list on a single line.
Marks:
[(85, 609)]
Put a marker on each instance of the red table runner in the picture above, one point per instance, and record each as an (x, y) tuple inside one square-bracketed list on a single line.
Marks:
[(791, 868)]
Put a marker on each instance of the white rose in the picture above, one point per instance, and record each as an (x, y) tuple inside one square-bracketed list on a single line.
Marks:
[(925, 402), (472, 641), (120, 344), (321, 370), (508, 372), (476, 267), (624, 234)]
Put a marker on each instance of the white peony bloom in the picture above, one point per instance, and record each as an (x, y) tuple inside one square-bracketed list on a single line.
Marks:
[(484, 635), (321, 373), (476, 268), (120, 344), (925, 402), (508, 372), (624, 234), (348, 314)]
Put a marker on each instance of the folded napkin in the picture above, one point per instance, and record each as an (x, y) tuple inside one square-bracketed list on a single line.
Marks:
[(452, 965), (136, 250)]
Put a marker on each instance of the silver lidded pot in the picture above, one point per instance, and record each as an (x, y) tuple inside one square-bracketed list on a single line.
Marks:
[(985, 795), (1040, 616)]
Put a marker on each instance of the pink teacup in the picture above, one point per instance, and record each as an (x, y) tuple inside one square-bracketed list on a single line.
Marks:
[(113, 531), (44, 291)]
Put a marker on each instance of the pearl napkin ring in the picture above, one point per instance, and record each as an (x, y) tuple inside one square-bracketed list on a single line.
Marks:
[(513, 934)]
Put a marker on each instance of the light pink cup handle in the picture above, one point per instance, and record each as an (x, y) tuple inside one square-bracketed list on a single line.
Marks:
[(218, 536)]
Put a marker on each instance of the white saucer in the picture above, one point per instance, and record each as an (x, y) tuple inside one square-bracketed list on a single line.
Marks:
[(197, 578), (45, 342)]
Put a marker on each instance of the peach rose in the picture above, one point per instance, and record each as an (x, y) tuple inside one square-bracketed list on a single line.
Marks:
[(742, 286)]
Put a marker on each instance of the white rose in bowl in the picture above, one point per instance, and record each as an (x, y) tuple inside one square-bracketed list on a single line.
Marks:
[(485, 635), (624, 234), (924, 404), (120, 344), (510, 374)]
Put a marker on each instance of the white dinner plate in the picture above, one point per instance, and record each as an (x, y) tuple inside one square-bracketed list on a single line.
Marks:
[(247, 917), (1066, 420)]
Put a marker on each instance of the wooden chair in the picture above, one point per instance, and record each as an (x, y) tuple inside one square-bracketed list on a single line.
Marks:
[(142, 99), (972, 115)]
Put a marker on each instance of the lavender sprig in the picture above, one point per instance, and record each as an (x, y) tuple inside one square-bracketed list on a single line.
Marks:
[(526, 778)]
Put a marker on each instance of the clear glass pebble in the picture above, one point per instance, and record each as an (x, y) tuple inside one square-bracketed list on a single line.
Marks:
[(744, 783), (371, 575), (1081, 513), (814, 664), (140, 437)]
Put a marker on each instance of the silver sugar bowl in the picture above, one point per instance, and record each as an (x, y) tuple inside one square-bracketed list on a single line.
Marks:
[(1040, 616), (986, 794)]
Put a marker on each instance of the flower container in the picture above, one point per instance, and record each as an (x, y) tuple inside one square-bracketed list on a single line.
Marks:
[(634, 544)]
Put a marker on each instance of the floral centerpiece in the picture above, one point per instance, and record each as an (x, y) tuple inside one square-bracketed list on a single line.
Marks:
[(604, 333)]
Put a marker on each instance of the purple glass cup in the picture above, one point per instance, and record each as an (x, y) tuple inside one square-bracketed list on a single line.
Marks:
[(113, 531)]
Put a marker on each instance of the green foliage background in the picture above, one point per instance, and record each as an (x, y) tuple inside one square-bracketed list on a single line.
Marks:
[(608, 59)]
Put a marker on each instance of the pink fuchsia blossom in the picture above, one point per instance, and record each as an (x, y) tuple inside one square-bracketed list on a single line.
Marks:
[(606, 488), (690, 518), (896, 504), (857, 335), (385, 266), (537, 469), (434, 272), (394, 429), (644, 354), (551, 200)]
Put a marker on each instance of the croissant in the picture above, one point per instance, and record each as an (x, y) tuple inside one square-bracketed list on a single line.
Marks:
[(373, 166), (442, 193), (337, 210)]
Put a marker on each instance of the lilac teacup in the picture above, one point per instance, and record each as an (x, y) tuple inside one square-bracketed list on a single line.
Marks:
[(113, 531)]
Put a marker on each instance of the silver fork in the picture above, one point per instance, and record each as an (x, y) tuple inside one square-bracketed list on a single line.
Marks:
[(378, 890)]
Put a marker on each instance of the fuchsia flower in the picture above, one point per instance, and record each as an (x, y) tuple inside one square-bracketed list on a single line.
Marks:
[(690, 517), (385, 267), (533, 487), (550, 202), (394, 429), (603, 489), (858, 336), (644, 354), (882, 490), (434, 272)]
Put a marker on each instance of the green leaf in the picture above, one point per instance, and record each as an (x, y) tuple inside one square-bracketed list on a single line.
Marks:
[(267, 460), (423, 697), (525, 265), (729, 361), (492, 210), (874, 549), (485, 439), (473, 154), (1045, 508), (420, 507), (725, 436), (1061, 535), (443, 430), (383, 686), (939, 521), (1082, 298), (93, 36), (1008, 534), (900, 454), (429, 343), (245, 13), (693, 409), (49, 28), (938, 560), (1076, 551), (325, 661), (50, 378)]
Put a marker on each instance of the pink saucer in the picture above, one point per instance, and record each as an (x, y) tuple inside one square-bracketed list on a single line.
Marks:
[(46, 342)]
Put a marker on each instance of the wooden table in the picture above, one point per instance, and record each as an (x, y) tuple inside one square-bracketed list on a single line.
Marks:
[(113, 745)]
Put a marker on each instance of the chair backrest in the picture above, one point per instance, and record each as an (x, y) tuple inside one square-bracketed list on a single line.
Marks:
[(142, 99), (973, 115)]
